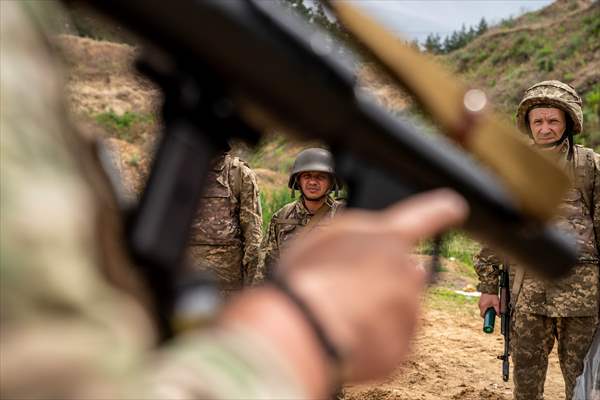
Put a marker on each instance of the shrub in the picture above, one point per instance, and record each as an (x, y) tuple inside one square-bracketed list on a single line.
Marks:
[(568, 76), (482, 56), (546, 65), (591, 118), (524, 48), (273, 201), (456, 245), (509, 22), (122, 126)]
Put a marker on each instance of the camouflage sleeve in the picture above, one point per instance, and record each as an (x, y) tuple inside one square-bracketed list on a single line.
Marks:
[(250, 221), (270, 249), (486, 265), (64, 331)]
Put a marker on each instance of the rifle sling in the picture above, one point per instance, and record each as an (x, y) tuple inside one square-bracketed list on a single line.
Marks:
[(516, 288)]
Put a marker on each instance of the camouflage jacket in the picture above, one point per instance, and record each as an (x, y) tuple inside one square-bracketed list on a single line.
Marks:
[(227, 230), (575, 295), (73, 324), (287, 223)]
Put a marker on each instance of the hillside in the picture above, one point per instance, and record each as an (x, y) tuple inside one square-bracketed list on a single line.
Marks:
[(561, 41)]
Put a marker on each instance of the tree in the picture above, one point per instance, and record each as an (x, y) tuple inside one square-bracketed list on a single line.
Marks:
[(315, 14), (433, 44), (482, 27)]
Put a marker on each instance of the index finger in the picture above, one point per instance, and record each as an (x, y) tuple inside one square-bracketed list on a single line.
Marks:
[(424, 215)]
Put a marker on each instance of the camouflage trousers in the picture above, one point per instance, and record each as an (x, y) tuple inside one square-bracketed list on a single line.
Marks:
[(533, 337), (225, 262)]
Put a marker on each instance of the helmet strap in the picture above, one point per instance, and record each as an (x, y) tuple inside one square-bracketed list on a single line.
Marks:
[(556, 143), (294, 183)]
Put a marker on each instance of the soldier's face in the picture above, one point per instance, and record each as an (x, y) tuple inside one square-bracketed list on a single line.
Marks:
[(547, 124), (314, 185)]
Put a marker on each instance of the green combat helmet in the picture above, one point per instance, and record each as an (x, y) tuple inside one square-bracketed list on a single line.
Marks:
[(313, 159), (552, 94)]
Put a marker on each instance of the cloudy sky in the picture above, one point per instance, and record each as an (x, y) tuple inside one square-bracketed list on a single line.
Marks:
[(417, 19)]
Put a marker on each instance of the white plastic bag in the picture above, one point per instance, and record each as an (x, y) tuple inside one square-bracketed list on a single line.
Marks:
[(587, 386)]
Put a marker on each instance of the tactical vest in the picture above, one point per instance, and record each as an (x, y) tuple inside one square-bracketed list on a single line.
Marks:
[(576, 209), (216, 222)]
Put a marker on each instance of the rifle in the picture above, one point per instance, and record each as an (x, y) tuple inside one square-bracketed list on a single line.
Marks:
[(228, 66), (505, 316)]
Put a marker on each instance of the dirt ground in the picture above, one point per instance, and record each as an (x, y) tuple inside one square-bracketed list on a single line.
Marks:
[(452, 358)]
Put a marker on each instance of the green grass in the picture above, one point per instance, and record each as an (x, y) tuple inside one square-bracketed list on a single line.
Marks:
[(439, 298), (273, 201), (272, 153), (591, 119), (457, 246), (123, 126)]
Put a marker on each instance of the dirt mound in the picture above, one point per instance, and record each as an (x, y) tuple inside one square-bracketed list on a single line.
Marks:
[(383, 88), (101, 78), (269, 180)]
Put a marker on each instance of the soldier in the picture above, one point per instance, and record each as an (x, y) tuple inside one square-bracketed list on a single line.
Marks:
[(314, 176), (75, 320), (227, 230), (565, 310)]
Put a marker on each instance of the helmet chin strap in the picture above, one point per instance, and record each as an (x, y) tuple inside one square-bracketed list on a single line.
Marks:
[(556, 143)]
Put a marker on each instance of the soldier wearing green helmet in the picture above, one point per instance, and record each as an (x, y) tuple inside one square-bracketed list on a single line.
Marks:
[(565, 311), (313, 175), (556, 99)]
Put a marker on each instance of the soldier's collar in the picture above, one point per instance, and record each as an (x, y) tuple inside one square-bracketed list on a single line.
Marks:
[(328, 201)]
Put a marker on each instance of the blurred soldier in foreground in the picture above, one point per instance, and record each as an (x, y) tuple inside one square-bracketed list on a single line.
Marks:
[(314, 176), (75, 317), (565, 310), (226, 233)]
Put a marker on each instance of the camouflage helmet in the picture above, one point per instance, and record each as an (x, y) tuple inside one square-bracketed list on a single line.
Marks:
[(553, 94), (313, 159)]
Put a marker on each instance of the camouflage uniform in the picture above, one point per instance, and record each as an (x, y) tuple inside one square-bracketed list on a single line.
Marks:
[(288, 220), (73, 319), (226, 233), (287, 223), (566, 309)]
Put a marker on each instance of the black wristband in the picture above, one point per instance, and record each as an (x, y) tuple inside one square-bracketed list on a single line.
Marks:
[(320, 334)]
